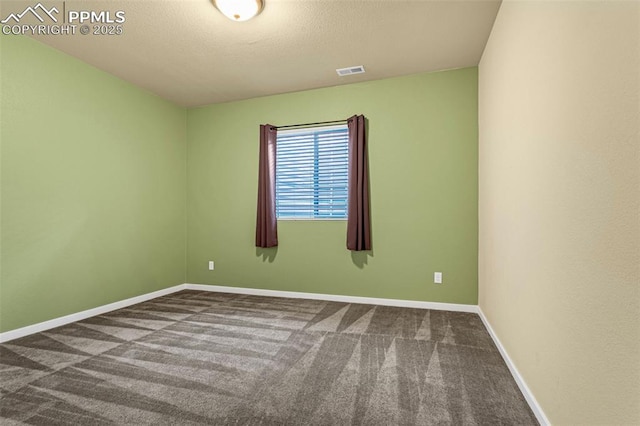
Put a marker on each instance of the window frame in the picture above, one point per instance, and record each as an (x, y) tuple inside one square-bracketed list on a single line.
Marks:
[(314, 129)]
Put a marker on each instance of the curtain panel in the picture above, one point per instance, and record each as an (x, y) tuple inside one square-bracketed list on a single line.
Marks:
[(266, 223), (358, 216)]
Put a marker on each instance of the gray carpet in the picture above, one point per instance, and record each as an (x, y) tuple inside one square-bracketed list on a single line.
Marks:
[(211, 358)]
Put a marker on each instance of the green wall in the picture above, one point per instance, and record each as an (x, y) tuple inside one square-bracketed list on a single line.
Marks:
[(99, 180), (423, 154), (93, 187)]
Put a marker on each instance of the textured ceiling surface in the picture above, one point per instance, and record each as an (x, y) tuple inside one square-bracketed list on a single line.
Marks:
[(188, 52)]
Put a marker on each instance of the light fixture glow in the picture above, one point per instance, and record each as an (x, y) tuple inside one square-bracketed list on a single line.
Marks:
[(239, 10)]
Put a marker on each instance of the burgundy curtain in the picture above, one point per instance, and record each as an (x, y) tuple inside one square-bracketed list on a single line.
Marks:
[(266, 223), (358, 220)]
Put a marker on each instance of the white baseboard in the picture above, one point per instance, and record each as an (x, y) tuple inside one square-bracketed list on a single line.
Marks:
[(533, 403), (67, 319), (337, 298)]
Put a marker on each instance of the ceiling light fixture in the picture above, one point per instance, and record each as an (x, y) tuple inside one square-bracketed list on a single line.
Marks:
[(239, 10)]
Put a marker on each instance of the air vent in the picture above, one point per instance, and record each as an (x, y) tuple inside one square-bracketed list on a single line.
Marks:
[(350, 71)]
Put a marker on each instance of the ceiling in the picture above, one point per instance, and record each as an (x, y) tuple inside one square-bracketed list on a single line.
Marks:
[(189, 53)]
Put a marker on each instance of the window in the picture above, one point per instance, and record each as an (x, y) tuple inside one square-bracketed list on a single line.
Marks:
[(312, 173)]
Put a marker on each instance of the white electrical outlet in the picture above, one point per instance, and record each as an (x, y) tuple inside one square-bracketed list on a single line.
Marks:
[(211, 265), (437, 277)]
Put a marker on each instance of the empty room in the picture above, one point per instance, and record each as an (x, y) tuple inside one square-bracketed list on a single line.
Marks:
[(320, 212)]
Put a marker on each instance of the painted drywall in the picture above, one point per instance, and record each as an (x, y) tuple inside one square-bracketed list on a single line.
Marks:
[(559, 264), (93, 187), (423, 176)]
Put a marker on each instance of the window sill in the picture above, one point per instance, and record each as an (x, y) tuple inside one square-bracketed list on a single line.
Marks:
[(323, 219)]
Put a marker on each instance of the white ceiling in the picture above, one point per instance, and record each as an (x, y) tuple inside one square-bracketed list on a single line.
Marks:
[(188, 52)]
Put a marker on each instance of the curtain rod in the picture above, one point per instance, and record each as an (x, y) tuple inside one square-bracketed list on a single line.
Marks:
[(321, 123)]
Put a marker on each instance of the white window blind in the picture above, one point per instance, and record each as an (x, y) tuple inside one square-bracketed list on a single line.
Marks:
[(312, 173)]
